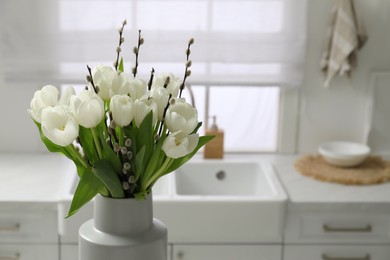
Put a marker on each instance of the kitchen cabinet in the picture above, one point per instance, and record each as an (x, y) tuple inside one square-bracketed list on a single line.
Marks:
[(331, 221), (226, 252), (352, 232), (28, 231), (323, 221), (335, 252)]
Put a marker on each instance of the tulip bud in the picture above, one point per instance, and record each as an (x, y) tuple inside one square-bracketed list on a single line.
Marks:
[(88, 108), (122, 108), (46, 97), (143, 107), (105, 77)]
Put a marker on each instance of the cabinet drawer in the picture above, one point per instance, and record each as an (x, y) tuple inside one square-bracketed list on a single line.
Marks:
[(227, 252), (25, 226), (328, 252), (69, 252), (338, 228), (28, 252)]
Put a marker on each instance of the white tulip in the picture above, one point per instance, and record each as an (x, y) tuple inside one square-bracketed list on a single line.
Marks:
[(65, 97), (122, 108), (176, 146), (88, 108), (138, 89), (122, 84), (160, 96), (46, 97), (106, 79), (173, 85), (181, 116), (142, 107), (59, 126)]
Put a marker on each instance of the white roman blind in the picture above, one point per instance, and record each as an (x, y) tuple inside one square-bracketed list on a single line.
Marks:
[(237, 42)]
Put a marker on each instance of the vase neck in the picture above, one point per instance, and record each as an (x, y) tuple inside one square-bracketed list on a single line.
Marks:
[(123, 216)]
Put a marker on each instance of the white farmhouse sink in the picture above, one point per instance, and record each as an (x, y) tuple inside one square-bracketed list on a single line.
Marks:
[(218, 201), (225, 179)]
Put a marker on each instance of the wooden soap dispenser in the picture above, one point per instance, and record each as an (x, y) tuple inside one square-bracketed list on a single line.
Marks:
[(214, 148)]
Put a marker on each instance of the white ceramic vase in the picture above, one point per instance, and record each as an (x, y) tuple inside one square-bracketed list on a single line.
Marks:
[(123, 229)]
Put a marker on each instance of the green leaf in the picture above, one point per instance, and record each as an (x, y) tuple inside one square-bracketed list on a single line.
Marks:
[(151, 166), (141, 195), (87, 188), (121, 67), (156, 160), (108, 153), (197, 128), (145, 134), (145, 140), (182, 160), (107, 175), (86, 140), (131, 132), (139, 162), (52, 147)]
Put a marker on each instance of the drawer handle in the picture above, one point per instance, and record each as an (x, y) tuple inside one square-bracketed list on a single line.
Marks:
[(12, 228), (328, 228), (325, 257), (14, 257)]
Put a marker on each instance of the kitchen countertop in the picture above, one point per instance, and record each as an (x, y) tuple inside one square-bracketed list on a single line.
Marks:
[(303, 189), (42, 177), (33, 177)]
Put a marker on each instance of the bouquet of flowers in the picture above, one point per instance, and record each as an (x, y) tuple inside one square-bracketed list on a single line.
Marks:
[(122, 133)]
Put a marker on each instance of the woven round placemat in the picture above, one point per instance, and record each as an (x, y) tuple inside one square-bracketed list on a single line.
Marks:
[(373, 170)]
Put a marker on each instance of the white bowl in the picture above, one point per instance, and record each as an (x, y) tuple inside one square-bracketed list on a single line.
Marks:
[(344, 154)]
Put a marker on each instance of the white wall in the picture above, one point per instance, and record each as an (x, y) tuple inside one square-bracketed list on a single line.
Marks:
[(339, 112)]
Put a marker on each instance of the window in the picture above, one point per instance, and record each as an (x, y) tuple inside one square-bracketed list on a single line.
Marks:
[(246, 51)]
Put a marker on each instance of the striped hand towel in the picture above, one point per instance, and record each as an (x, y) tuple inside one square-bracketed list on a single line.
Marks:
[(346, 35)]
